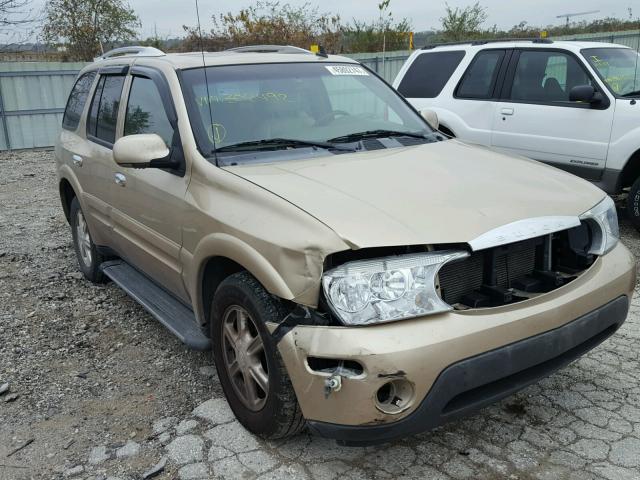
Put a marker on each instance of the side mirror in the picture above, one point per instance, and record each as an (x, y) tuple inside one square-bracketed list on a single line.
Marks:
[(142, 151), (431, 117), (585, 94)]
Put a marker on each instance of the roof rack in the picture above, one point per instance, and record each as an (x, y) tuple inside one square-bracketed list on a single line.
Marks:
[(485, 41), (269, 49), (136, 51)]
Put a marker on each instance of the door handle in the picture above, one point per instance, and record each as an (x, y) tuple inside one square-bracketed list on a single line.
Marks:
[(77, 160), (506, 111), (120, 179)]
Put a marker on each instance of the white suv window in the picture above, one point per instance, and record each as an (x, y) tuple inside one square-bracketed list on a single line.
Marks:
[(429, 73), (480, 78), (546, 76)]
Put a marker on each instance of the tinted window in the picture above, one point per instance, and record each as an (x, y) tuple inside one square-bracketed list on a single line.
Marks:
[(77, 99), (145, 111), (546, 77), (480, 78), (103, 114), (429, 73)]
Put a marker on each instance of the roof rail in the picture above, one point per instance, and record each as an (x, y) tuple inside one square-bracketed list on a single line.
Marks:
[(485, 41), (269, 49), (137, 51)]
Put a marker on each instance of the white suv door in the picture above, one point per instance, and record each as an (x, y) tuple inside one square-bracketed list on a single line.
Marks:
[(535, 117)]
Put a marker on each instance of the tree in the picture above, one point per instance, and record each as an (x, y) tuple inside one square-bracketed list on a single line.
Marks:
[(463, 23), (383, 34), (269, 22), (85, 27), (14, 16)]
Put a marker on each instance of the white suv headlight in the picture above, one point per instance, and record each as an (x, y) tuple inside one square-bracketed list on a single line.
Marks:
[(604, 218), (385, 289)]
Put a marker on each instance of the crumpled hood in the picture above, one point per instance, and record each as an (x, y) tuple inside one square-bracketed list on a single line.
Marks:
[(446, 192)]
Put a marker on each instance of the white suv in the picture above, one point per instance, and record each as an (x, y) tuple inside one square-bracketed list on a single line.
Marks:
[(571, 104)]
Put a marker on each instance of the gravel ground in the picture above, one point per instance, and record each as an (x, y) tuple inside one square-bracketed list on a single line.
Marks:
[(98, 389)]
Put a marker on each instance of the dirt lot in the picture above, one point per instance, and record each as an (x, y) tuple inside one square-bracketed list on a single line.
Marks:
[(103, 391)]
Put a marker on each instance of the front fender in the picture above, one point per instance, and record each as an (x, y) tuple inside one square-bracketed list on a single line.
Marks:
[(622, 149), (232, 248)]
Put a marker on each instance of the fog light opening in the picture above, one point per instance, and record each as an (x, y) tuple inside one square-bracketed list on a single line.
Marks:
[(346, 368), (395, 396)]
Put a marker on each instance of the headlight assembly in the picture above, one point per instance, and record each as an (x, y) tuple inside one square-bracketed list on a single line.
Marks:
[(604, 222), (385, 289)]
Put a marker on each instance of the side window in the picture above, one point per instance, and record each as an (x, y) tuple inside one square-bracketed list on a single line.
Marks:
[(546, 77), (103, 114), (480, 78), (429, 73), (77, 100), (145, 111)]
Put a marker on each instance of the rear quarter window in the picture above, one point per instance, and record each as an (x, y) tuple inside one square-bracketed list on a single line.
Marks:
[(429, 73), (77, 100)]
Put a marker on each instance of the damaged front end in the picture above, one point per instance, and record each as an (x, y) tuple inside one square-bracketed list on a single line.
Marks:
[(390, 320)]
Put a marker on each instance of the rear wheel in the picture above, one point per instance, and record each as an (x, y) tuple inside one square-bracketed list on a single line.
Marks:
[(89, 259), (251, 371), (633, 204)]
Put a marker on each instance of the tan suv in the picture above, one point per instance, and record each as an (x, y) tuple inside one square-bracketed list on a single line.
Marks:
[(351, 269)]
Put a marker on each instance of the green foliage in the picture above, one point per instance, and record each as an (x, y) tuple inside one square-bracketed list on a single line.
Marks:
[(84, 27), (466, 23), (463, 23), (271, 22)]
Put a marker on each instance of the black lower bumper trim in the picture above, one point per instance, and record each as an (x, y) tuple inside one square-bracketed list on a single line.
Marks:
[(475, 382)]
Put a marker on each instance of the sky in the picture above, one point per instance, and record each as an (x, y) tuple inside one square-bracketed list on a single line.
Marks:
[(168, 16)]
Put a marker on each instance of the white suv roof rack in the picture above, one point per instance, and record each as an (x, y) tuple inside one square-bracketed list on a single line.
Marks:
[(137, 51)]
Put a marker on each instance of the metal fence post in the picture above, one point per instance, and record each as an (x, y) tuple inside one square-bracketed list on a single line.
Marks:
[(3, 119)]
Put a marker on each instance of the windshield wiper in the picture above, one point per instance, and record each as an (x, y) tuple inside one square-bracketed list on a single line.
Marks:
[(631, 94), (353, 137), (280, 143)]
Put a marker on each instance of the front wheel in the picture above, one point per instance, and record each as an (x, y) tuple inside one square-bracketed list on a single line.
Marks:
[(633, 204), (89, 259), (251, 371)]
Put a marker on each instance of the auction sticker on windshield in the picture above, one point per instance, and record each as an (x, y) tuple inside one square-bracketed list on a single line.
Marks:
[(346, 70)]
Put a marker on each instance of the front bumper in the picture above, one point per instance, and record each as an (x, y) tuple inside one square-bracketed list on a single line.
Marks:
[(450, 359), (478, 381)]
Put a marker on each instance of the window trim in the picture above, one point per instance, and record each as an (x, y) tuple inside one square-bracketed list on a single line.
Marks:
[(498, 82), (114, 71), (86, 102), (508, 82)]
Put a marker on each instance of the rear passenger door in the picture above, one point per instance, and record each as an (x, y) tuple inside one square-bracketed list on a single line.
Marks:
[(148, 204), (476, 94), (535, 118), (100, 130)]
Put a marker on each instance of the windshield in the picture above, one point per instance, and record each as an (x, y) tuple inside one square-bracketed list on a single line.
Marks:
[(618, 67), (313, 102)]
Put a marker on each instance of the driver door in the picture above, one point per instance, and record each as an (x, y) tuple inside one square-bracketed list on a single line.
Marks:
[(535, 117), (148, 204)]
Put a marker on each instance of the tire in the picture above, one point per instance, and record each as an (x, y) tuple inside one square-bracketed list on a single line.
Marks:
[(272, 414), (89, 259), (633, 204)]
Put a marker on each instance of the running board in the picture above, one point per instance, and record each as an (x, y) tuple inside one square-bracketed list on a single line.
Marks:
[(169, 311)]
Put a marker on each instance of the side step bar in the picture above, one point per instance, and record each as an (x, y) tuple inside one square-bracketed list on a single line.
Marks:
[(172, 313)]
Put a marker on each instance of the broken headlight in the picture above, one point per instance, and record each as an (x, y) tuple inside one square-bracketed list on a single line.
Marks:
[(385, 289), (603, 220)]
